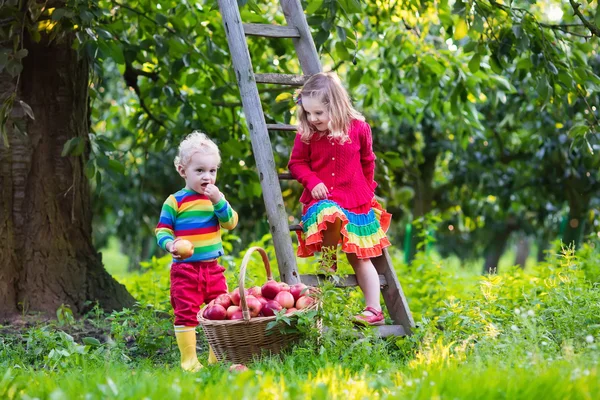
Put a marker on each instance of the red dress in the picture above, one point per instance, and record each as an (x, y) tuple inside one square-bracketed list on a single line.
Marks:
[(347, 170)]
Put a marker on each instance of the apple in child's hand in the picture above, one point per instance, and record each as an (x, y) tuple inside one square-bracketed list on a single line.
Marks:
[(231, 310), (215, 312), (184, 248), (237, 315), (254, 306), (223, 300), (270, 289), (255, 291), (285, 299), (284, 287), (304, 301), (271, 308), (235, 296), (297, 290)]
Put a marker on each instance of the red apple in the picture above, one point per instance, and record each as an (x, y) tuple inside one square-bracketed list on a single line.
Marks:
[(254, 306), (304, 301), (262, 300), (223, 300), (285, 299), (291, 310), (184, 248), (270, 289), (238, 368), (297, 290), (270, 308), (211, 303), (284, 287), (231, 310), (236, 315), (235, 296), (215, 312), (255, 291)]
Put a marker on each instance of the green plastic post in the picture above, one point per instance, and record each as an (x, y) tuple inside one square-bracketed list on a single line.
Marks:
[(407, 241)]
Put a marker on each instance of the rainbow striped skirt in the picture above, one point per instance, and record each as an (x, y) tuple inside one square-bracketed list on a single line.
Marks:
[(362, 232)]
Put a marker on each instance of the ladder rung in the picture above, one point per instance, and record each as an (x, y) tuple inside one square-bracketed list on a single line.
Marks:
[(338, 281), (295, 228), (285, 176), (270, 30), (282, 79), (281, 127), (391, 330)]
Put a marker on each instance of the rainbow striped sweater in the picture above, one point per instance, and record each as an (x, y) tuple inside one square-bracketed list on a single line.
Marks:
[(192, 216)]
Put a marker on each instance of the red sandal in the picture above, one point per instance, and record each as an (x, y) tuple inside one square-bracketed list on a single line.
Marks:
[(371, 320)]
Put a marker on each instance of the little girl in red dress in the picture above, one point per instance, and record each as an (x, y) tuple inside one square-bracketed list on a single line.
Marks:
[(333, 159)]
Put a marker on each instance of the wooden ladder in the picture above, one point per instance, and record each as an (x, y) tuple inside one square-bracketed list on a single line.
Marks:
[(297, 29)]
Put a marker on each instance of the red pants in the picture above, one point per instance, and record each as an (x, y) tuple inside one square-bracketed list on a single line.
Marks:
[(192, 284)]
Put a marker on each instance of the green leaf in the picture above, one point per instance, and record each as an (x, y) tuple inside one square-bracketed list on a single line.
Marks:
[(92, 341), (552, 68), (597, 19), (27, 109), (70, 145), (461, 29), (116, 166), (61, 13), (90, 169), (475, 63), (350, 6), (341, 51), (578, 130), (543, 89), (21, 54), (313, 6), (161, 19)]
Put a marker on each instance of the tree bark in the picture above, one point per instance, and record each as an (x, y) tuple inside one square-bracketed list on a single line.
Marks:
[(46, 254), (496, 247), (523, 249)]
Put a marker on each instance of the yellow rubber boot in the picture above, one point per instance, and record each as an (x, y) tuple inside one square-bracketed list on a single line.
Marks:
[(186, 341), (212, 358)]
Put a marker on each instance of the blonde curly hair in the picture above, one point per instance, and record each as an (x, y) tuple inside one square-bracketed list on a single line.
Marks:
[(327, 87), (195, 142)]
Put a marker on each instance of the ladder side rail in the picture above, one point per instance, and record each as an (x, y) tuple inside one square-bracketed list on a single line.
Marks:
[(261, 144), (393, 293), (305, 45)]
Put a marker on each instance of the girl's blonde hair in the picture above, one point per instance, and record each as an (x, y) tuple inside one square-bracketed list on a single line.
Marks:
[(327, 87), (195, 142)]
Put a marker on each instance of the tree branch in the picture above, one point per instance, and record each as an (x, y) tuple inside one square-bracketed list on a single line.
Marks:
[(593, 28)]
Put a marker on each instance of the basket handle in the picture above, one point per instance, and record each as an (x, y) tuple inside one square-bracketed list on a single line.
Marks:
[(245, 261)]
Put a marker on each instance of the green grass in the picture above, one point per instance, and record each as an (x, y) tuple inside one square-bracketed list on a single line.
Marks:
[(114, 260), (517, 335)]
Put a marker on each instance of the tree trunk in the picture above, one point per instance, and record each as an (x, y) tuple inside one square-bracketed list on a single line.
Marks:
[(523, 249), (496, 247), (46, 254)]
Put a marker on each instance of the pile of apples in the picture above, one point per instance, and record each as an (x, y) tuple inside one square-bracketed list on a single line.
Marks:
[(262, 301)]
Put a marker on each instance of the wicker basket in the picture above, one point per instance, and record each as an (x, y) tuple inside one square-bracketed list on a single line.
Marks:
[(239, 341)]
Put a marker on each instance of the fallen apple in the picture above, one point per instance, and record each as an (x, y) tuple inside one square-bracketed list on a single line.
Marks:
[(254, 305), (183, 248), (270, 289), (304, 301), (231, 310), (298, 290), (271, 308), (215, 312), (223, 300), (238, 368), (285, 299)]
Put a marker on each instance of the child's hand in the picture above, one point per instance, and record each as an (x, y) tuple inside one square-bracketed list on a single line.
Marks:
[(171, 249), (213, 193), (320, 192)]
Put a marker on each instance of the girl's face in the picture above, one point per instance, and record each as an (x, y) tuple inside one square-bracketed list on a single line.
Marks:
[(316, 112), (200, 171)]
